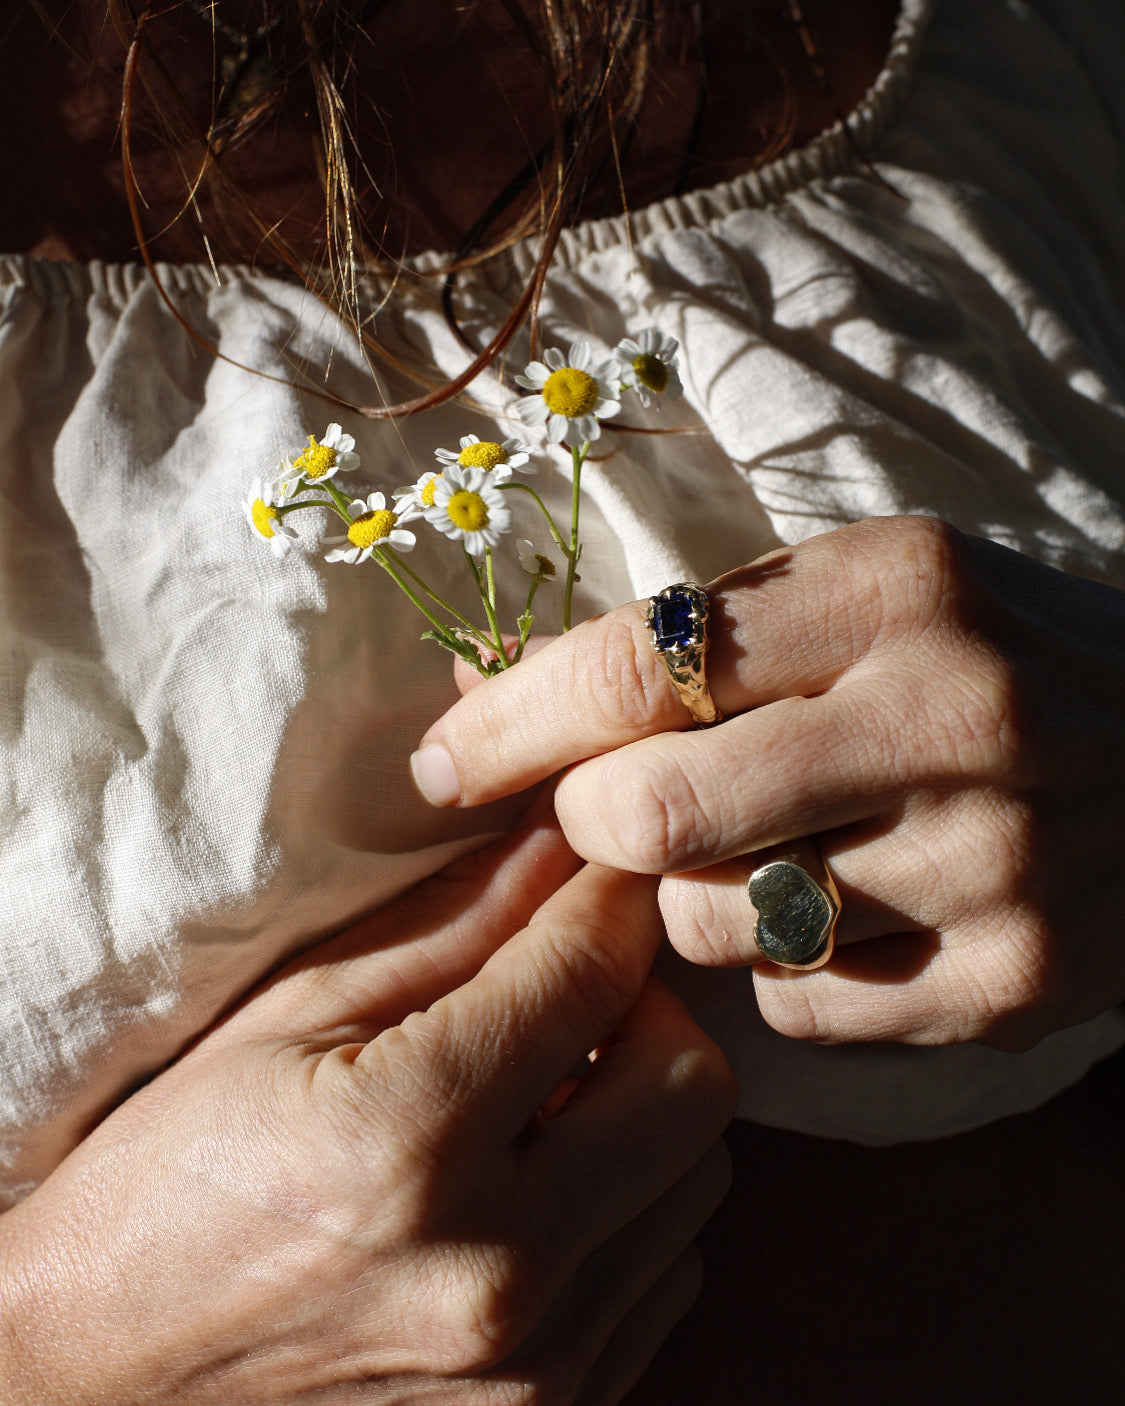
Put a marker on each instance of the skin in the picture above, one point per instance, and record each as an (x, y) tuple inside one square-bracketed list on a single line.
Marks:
[(374, 1120), (383, 1174), (943, 715)]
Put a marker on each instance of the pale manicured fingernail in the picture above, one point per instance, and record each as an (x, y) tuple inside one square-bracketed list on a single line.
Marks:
[(435, 775)]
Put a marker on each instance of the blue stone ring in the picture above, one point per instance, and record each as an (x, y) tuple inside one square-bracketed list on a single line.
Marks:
[(677, 621)]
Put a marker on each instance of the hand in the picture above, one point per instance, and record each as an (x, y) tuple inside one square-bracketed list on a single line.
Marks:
[(945, 716), (369, 1183)]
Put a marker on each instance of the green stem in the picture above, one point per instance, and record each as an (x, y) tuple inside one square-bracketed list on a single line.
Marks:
[(489, 610), (380, 556), (433, 595), (525, 619), (554, 531), (341, 503), (577, 458), (489, 576), (283, 508)]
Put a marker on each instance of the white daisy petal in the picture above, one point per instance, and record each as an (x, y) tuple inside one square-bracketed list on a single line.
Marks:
[(533, 410)]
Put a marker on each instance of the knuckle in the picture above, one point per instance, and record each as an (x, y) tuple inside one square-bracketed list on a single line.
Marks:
[(653, 812), (486, 1308), (909, 569), (628, 685), (705, 1075)]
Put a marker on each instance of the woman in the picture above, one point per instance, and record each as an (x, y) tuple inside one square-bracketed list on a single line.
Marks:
[(934, 332)]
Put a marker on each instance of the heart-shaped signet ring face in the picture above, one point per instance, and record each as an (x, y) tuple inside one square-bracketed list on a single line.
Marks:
[(796, 913)]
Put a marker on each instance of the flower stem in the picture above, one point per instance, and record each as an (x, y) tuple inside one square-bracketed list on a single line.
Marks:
[(489, 608), (338, 499), (552, 528), (578, 458), (526, 619), (433, 595), (490, 577), (283, 508), (381, 556)]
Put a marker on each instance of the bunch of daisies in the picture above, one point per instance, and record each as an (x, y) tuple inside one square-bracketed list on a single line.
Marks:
[(465, 497)]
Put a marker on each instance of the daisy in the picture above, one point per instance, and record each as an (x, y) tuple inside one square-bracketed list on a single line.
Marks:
[(373, 525), (469, 509), (332, 455), (495, 457), (571, 397), (287, 481), (260, 507), (533, 563), (647, 365), (419, 495)]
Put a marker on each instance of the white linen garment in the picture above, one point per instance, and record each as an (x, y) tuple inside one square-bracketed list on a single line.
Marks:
[(203, 750)]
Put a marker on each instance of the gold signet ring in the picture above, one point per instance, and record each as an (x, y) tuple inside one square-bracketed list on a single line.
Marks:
[(677, 622), (796, 904)]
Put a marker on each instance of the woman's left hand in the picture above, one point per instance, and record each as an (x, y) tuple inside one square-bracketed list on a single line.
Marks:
[(945, 716)]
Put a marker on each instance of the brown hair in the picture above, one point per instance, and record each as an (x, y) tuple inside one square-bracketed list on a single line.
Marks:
[(597, 62)]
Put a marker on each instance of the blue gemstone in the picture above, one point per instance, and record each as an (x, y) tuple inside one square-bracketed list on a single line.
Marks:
[(672, 625)]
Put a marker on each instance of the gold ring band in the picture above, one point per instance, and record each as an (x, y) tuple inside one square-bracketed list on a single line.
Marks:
[(796, 905), (677, 623)]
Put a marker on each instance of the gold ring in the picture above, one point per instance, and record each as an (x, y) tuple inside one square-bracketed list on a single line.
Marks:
[(797, 905), (677, 622)]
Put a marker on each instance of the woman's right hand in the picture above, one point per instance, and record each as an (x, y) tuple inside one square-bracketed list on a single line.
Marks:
[(375, 1181)]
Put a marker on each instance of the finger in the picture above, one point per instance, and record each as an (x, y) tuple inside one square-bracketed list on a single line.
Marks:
[(680, 801), (425, 944), (982, 981), (585, 1324), (497, 1047), (711, 920), (657, 1094), (792, 624), (900, 987), (643, 1332)]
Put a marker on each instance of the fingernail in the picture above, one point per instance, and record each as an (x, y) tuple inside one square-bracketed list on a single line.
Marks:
[(435, 775)]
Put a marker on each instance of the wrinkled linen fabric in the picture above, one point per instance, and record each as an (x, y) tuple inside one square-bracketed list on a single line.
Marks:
[(204, 750)]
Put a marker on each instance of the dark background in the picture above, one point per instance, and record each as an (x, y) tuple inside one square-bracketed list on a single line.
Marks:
[(984, 1268)]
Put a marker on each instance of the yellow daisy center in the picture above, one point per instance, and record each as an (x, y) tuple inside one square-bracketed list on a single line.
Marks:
[(485, 455), (570, 392), (263, 517), (316, 460), (468, 511), (372, 527), (651, 372), (429, 491)]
